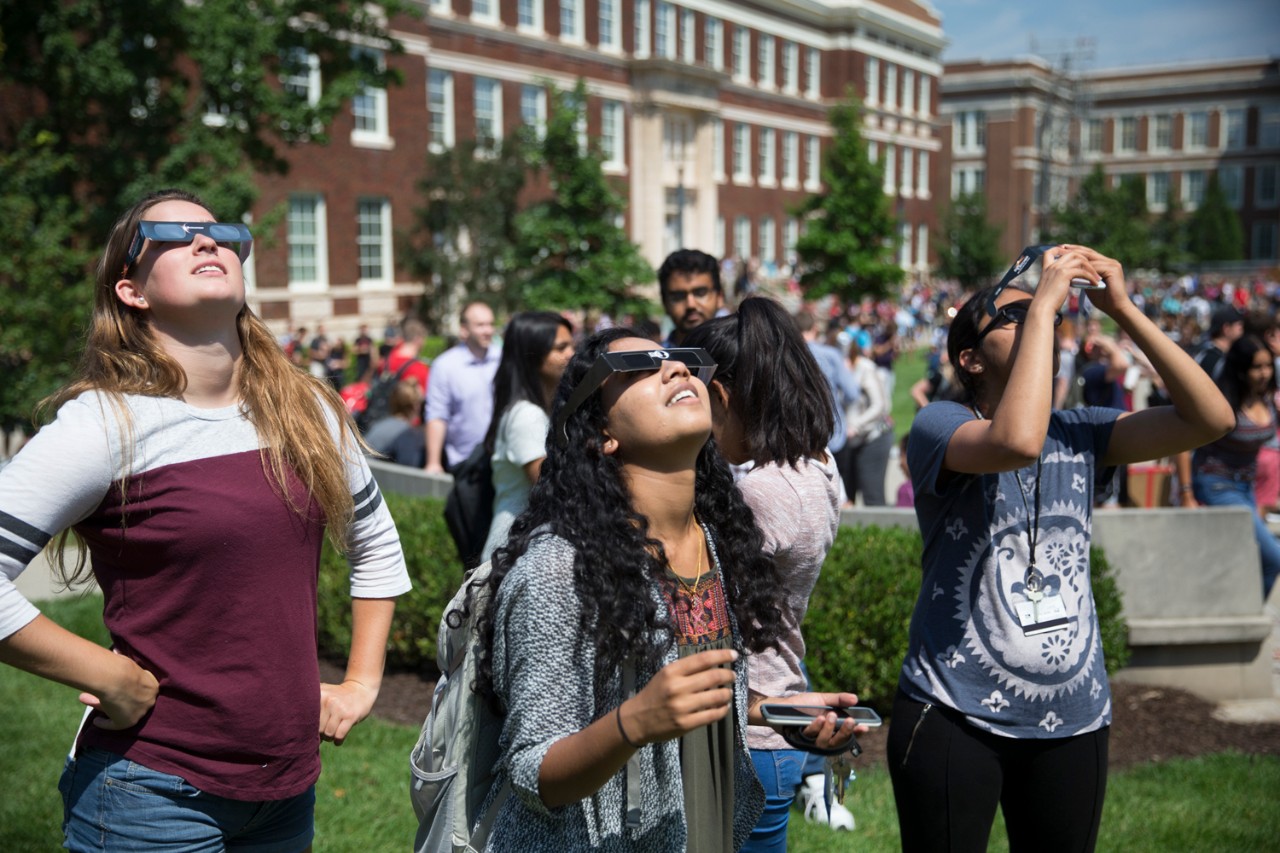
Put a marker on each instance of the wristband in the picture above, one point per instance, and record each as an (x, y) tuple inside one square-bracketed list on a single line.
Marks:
[(617, 715)]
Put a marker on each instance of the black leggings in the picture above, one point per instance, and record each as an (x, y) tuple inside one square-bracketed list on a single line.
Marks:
[(948, 778)]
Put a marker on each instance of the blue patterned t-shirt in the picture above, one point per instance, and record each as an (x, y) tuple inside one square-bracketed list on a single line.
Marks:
[(967, 649)]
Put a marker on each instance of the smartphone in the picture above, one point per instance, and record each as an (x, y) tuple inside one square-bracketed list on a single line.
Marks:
[(1085, 284), (777, 714)]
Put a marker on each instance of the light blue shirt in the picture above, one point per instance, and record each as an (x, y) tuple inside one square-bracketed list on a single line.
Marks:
[(844, 388), (460, 393)]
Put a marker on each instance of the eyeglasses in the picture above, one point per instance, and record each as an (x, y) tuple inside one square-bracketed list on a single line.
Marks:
[(1015, 313), (698, 361), (1028, 257), (222, 233), (682, 295)]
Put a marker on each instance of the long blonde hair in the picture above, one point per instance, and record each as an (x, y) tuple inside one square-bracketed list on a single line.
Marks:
[(286, 405)]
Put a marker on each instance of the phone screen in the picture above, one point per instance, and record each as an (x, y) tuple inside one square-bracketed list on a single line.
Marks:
[(779, 714)]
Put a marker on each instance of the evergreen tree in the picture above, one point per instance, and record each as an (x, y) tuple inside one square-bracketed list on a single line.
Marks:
[(108, 99), (464, 237), (570, 253), (1112, 221), (969, 245), (1169, 237), (849, 240), (1215, 232)]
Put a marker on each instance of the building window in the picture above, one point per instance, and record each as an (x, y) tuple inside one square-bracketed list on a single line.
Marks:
[(306, 235), (904, 245), (741, 50), (1091, 136), (1235, 129), (765, 55), (922, 246), (1127, 135), (1264, 241), (373, 239), (1231, 179), (741, 153), (890, 169), (908, 172), (908, 91), (571, 24), (768, 156), (1161, 132), (812, 162), (926, 96), (642, 29), (742, 237), (440, 109), (717, 149), (664, 31), (873, 151), (529, 15), (1197, 130), (610, 22), (922, 174), (300, 75), (717, 240), (969, 131), (488, 110), (369, 109), (533, 109), (873, 81), (713, 51), (790, 67), (1264, 186), (484, 11), (688, 41), (790, 159), (890, 86), (768, 241), (613, 134), (813, 73), (790, 236), (1157, 191), (1193, 189), (676, 134), (1269, 127), (441, 6)]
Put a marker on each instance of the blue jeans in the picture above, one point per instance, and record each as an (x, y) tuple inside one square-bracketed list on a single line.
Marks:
[(1221, 491), (113, 804), (780, 772)]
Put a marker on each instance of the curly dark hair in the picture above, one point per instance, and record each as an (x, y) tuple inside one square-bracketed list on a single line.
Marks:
[(580, 496), (775, 386)]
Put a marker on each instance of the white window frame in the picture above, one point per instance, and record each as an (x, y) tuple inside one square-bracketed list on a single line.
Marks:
[(717, 150), (812, 163), (767, 236), (375, 97), (494, 87), (922, 175), (446, 138), (922, 246), (908, 92), (742, 237), (537, 14), (688, 36), (873, 81), (890, 86), (741, 54), (790, 67), (1161, 125), (534, 96), (1193, 185), (613, 135), (1126, 126), (573, 12), (713, 50), (643, 30), (442, 7), (890, 168), (790, 236), (766, 75), (1196, 124), (717, 239), (768, 149), (908, 172), (485, 11), (308, 82), (1234, 128), (320, 244), (664, 31), (1092, 129), (1265, 193), (790, 160), (904, 245), (873, 151), (381, 242), (1157, 191), (609, 35), (813, 73), (741, 153), (925, 107), (1269, 127)]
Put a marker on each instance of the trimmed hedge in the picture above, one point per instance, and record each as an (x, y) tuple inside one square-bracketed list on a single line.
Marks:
[(855, 630)]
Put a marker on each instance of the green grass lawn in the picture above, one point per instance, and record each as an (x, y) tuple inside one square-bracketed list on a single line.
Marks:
[(1214, 803), (907, 371)]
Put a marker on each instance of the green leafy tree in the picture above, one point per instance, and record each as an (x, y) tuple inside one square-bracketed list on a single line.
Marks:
[(570, 252), (1112, 221), (1214, 229), (1169, 239), (969, 245), (464, 237), (849, 242), (108, 99)]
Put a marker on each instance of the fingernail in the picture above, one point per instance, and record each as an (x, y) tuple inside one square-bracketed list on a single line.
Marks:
[(734, 654)]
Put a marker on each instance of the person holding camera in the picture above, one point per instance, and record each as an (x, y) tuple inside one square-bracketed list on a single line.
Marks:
[(1003, 696)]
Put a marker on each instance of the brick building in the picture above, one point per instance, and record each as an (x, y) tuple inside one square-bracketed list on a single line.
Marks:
[(1026, 134), (711, 116)]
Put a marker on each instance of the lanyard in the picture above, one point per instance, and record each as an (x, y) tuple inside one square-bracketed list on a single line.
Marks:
[(1033, 579)]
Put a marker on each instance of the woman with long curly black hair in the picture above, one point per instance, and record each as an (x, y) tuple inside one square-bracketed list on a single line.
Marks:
[(622, 602)]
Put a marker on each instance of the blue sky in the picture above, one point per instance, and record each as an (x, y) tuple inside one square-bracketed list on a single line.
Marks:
[(1125, 32)]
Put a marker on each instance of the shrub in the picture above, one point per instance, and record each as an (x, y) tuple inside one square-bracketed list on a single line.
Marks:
[(436, 574), (856, 628)]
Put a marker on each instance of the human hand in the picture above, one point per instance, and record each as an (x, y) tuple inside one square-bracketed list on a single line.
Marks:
[(342, 706), (1061, 265), (1116, 295), (685, 695), (131, 696), (434, 468), (829, 731)]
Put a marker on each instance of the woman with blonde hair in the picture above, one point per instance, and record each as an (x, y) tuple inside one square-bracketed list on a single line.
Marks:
[(200, 470)]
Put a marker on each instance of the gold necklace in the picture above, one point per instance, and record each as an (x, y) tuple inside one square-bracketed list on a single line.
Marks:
[(692, 588)]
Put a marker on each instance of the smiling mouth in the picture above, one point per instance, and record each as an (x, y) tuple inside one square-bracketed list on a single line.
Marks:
[(210, 268), (681, 395)]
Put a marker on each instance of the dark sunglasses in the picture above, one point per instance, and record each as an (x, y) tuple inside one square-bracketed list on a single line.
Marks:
[(1015, 313), (698, 361), (222, 233)]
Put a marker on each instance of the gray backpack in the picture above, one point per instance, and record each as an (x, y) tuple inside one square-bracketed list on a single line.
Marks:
[(454, 763)]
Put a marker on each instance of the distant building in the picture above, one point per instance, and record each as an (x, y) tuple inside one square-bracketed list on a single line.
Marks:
[(1025, 135), (711, 115)]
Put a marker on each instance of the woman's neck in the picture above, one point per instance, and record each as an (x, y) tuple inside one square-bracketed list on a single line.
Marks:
[(212, 366), (665, 498)]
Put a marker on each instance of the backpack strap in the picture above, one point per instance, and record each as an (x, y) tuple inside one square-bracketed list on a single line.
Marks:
[(633, 763)]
